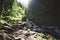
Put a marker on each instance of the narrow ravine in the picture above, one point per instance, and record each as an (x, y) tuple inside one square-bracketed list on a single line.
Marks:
[(22, 31)]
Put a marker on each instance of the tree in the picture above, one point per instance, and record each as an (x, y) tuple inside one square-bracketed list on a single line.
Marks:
[(12, 11)]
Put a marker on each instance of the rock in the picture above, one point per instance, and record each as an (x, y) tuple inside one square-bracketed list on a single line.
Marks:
[(19, 22), (40, 38), (57, 30), (17, 38), (25, 28), (3, 31), (42, 13), (22, 39), (24, 23), (32, 38), (44, 39), (7, 27), (34, 26)]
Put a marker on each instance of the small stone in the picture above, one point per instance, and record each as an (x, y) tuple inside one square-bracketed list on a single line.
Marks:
[(25, 28), (22, 39), (39, 38), (28, 30)]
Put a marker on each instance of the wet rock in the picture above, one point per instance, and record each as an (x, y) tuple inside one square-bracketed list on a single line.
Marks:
[(57, 30), (34, 26)]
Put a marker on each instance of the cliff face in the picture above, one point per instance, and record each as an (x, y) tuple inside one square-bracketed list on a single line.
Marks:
[(44, 12), (1, 5)]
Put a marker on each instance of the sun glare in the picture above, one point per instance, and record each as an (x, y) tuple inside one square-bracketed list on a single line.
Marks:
[(25, 3)]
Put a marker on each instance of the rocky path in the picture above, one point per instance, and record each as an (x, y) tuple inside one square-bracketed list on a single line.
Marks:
[(20, 31), (24, 35)]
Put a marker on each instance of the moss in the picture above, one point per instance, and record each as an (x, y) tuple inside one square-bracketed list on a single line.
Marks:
[(2, 21), (42, 36)]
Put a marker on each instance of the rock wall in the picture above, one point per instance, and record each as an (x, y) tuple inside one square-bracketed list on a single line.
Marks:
[(44, 12)]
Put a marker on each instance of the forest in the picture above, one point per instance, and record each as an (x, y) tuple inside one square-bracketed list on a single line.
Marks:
[(33, 21)]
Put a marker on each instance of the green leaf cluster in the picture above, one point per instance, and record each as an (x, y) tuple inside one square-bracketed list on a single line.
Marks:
[(12, 11)]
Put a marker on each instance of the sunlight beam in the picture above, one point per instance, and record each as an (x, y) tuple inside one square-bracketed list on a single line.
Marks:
[(25, 3)]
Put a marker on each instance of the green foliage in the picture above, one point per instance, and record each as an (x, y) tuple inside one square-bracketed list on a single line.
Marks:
[(2, 21), (42, 36), (12, 11)]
